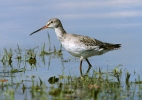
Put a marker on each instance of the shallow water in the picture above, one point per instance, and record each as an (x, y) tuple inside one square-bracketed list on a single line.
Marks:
[(107, 22)]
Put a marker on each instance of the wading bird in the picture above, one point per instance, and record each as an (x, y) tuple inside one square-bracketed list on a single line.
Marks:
[(79, 46)]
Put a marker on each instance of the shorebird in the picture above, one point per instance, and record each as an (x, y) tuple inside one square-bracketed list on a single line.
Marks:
[(79, 46)]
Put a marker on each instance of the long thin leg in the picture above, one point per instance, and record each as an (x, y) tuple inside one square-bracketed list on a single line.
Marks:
[(81, 64), (88, 70), (80, 67), (88, 62)]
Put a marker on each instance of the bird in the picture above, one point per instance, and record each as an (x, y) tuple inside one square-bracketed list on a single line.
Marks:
[(79, 46)]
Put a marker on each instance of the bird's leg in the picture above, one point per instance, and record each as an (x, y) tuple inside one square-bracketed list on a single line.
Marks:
[(88, 62), (89, 66), (88, 70), (81, 66), (81, 59)]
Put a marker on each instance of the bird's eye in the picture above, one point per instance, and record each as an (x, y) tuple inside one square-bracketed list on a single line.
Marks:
[(51, 22)]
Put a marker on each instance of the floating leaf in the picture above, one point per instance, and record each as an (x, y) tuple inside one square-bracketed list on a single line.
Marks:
[(53, 80)]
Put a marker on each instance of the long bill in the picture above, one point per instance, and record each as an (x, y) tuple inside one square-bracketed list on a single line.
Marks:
[(44, 27)]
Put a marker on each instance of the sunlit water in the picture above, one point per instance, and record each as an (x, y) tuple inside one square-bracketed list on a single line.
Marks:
[(19, 19)]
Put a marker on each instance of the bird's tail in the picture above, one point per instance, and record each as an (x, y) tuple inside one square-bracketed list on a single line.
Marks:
[(116, 46), (112, 46)]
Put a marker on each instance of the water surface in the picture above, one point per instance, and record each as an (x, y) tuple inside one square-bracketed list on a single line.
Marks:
[(109, 21)]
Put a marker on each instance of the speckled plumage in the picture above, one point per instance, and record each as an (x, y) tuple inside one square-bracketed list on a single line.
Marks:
[(78, 45)]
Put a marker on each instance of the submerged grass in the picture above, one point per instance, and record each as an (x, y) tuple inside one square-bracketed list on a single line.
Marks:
[(99, 85), (112, 84)]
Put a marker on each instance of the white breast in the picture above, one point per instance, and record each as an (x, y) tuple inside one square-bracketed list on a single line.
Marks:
[(80, 51)]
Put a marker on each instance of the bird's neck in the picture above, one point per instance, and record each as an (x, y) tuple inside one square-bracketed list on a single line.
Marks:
[(60, 32)]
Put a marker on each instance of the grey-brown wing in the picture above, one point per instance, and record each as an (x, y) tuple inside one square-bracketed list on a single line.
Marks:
[(90, 41)]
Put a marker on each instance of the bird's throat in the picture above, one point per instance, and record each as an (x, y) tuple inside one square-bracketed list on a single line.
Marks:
[(60, 32)]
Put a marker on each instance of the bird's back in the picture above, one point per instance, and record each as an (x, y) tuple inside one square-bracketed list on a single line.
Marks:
[(78, 45), (88, 42)]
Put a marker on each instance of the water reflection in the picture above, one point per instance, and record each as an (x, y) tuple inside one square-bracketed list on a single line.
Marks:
[(18, 78), (18, 68), (96, 54)]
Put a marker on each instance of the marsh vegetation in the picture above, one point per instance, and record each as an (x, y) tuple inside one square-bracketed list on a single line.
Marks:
[(21, 76)]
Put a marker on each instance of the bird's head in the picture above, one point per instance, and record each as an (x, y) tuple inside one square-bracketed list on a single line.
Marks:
[(52, 23)]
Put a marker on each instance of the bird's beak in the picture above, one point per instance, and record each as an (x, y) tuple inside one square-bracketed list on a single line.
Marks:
[(44, 27)]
